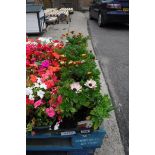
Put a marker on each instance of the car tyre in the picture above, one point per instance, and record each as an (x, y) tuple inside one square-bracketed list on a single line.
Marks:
[(102, 20)]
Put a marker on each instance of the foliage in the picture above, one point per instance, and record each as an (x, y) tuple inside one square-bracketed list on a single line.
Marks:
[(81, 68), (101, 111)]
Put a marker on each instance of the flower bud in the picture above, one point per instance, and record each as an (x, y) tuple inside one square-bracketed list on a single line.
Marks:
[(89, 73), (70, 62), (83, 55)]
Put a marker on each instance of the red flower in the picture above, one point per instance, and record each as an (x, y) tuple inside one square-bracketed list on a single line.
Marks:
[(33, 78), (59, 99), (49, 84), (39, 46), (55, 64), (56, 41), (54, 90), (29, 102), (54, 78), (54, 105), (56, 55), (59, 118), (37, 53), (31, 40), (54, 69), (27, 63), (33, 65)]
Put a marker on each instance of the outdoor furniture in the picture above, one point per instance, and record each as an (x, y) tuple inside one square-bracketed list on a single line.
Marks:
[(51, 20), (61, 14), (35, 18), (70, 10), (51, 13), (64, 18)]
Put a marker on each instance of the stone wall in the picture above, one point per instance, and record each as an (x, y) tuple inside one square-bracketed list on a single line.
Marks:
[(47, 3), (76, 4), (84, 4), (66, 3)]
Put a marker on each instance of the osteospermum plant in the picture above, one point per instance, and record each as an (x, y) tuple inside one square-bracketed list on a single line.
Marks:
[(80, 83)]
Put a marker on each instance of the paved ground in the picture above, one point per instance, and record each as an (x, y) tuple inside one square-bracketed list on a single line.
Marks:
[(112, 143), (111, 46)]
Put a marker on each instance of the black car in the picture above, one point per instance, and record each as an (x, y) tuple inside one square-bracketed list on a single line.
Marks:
[(106, 11)]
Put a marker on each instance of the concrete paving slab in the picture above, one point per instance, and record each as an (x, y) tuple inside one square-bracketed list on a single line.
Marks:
[(55, 31), (112, 144)]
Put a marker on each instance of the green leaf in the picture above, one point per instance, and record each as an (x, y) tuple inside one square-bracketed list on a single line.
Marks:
[(73, 110), (29, 127), (75, 100), (38, 63), (47, 95)]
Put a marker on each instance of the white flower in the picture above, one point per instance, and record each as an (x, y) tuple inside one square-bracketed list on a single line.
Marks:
[(29, 91), (83, 61), (76, 87), (66, 41), (90, 83), (41, 93), (39, 80), (28, 42), (31, 97), (36, 85), (46, 40), (32, 43), (56, 127), (41, 38), (55, 44), (43, 85), (89, 124)]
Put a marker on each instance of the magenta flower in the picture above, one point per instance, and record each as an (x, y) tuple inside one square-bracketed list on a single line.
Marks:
[(50, 112), (45, 63), (37, 103)]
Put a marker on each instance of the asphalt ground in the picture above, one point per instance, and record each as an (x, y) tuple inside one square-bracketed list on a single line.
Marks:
[(111, 46)]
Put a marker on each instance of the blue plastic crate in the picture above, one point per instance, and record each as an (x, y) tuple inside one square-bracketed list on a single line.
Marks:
[(71, 142)]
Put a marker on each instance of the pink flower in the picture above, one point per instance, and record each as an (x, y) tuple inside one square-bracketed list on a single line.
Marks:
[(54, 90), (45, 63), (50, 112), (59, 99), (45, 76), (37, 104)]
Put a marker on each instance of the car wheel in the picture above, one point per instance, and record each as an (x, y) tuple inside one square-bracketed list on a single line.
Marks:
[(101, 20)]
